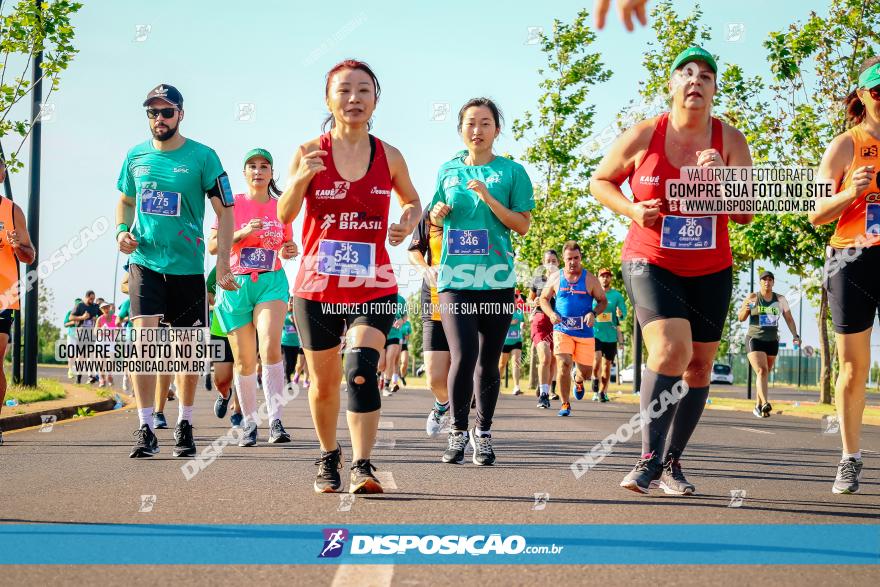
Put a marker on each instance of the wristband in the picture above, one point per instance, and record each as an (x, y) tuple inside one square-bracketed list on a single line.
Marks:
[(122, 227)]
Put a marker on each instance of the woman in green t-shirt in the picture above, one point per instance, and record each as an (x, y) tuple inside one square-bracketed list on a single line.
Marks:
[(478, 200)]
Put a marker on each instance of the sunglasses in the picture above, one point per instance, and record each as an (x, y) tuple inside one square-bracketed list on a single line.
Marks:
[(163, 112)]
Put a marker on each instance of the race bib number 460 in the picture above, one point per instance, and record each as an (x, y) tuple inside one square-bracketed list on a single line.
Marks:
[(688, 232), (160, 203), (345, 258), (467, 242), (257, 258)]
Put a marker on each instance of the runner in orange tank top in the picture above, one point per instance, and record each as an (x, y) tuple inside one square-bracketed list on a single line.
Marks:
[(677, 269), (345, 178), (15, 248), (853, 260)]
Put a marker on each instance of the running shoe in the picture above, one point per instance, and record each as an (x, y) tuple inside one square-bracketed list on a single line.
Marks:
[(544, 402), (647, 469), (579, 390), (159, 421), (554, 396), (249, 438), (566, 410), (183, 434), (603, 397), (329, 464), (437, 421), (208, 384), (296, 379), (386, 391), (672, 480), (277, 433), (221, 405), (145, 443), (517, 391), (767, 409), (171, 396), (307, 383), (849, 471), (395, 388), (235, 419), (362, 478), (457, 442), (482, 447), (757, 411), (403, 380), (595, 396)]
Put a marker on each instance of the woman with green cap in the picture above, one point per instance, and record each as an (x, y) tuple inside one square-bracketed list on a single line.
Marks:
[(677, 268), (259, 303), (853, 260)]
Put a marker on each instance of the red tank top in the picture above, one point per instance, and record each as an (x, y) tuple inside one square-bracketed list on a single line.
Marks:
[(344, 230), (659, 244)]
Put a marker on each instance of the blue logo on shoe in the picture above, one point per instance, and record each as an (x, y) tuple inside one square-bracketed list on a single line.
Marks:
[(334, 540)]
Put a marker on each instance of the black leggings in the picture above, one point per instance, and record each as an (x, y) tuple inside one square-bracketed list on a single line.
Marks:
[(290, 355), (475, 323)]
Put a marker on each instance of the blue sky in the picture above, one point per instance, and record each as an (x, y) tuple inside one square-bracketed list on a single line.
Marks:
[(273, 55)]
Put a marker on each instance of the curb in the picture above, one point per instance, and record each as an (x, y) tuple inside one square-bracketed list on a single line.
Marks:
[(19, 421)]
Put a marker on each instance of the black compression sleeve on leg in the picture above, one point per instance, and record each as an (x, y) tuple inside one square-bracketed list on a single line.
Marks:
[(361, 363), (687, 416), (655, 429)]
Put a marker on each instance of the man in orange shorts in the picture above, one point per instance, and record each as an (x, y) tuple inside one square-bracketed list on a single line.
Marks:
[(575, 288)]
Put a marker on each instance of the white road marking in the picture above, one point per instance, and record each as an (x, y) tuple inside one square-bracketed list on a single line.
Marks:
[(754, 430), (363, 576)]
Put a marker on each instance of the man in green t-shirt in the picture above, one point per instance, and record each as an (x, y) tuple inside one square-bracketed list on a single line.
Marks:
[(606, 332), (160, 215)]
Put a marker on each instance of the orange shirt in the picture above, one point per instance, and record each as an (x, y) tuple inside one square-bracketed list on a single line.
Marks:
[(861, 219), (8, 263)]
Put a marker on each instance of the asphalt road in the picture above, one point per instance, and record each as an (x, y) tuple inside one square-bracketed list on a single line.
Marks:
[(80, 473)]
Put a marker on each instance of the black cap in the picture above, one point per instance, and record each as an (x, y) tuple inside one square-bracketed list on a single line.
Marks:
[(767, 274), (165, 92)]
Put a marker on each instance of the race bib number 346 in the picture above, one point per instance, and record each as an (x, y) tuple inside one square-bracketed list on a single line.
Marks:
[(467, 242), (688, 232)]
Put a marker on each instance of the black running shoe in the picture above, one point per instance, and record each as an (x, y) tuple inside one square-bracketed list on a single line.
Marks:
[(554, 396), (328, 479), (673, 481), (183, 434), (145, 443), (603, 397), (159, 421), (649, 468), (457, 442), (221, 405), (208, 385), (766, 409), (482, 447), (544, 401), (395, 388), (403, 380), (277, 433), (362, 478)]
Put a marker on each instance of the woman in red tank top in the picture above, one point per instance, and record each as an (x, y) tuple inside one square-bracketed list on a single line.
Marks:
[(345, 279), (677, 268)]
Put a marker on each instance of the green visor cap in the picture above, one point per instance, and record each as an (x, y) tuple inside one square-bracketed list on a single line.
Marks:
[(694, 54), (258, 153), (870, 78)]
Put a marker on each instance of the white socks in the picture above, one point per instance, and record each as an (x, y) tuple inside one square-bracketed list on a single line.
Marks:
[(145, 416), (856, 455), (273, 389), (246, 386), (184, 412), (545, 389)]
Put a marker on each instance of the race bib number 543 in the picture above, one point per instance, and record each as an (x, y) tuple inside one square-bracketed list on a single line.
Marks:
[(346, 258)]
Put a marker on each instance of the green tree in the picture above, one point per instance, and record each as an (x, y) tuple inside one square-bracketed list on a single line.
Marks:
[(814, 64), (28, 29), (559, 131)]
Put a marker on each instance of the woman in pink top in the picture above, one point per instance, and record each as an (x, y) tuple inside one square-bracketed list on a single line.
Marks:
[(259, 303), (107, 319)]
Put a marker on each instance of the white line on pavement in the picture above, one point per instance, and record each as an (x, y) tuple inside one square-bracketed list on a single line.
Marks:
[(754, 430), (363, 576)]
